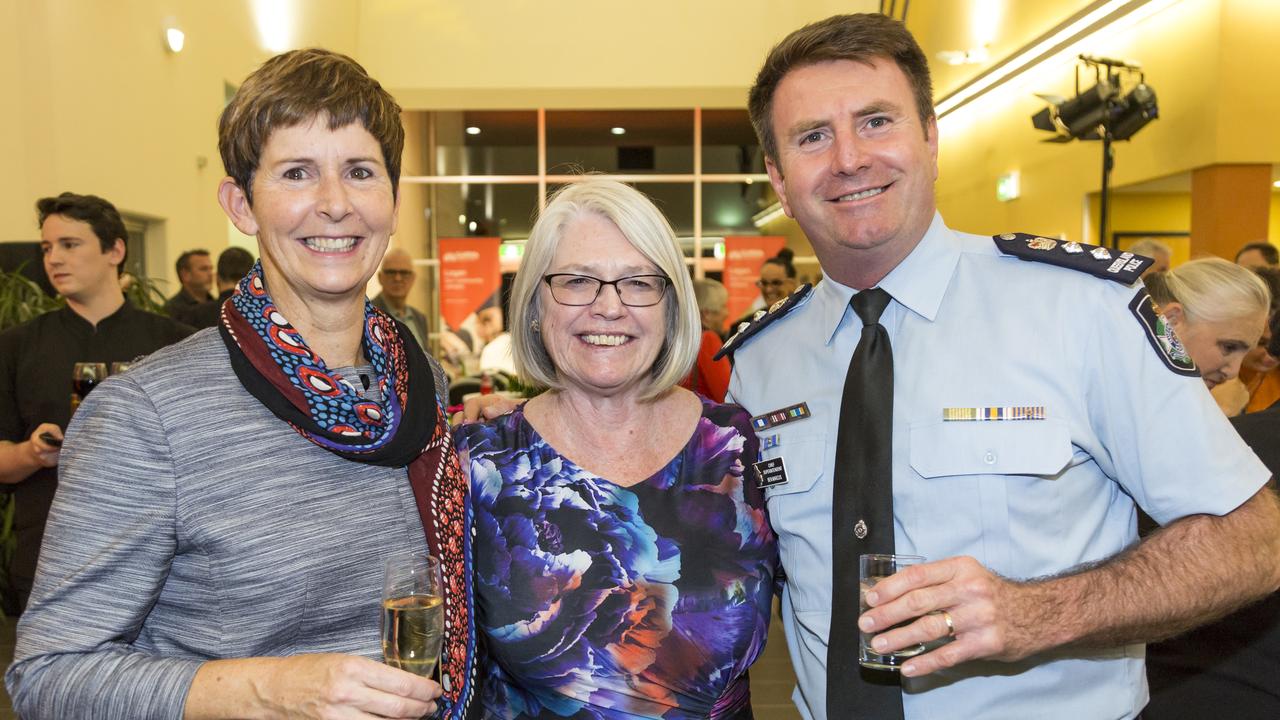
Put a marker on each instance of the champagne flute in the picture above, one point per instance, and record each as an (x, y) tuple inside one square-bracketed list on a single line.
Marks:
[(412, 613)]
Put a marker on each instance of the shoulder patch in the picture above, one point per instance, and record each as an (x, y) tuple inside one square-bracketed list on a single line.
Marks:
[(762, 319), (1161, 336), (1123, 267)]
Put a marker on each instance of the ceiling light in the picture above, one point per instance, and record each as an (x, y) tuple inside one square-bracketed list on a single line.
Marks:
[(473, 130), (1276, 184), (618, 130), (174, 39)]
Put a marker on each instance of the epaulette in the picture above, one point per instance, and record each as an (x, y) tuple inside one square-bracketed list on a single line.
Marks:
[(762, 318), (1123, 267)]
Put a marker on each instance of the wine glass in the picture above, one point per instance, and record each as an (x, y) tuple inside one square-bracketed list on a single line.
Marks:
[(412, 613), (85, 376), (120, 366)]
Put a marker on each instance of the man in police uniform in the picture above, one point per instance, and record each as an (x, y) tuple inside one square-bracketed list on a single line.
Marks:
[(1032, 406)]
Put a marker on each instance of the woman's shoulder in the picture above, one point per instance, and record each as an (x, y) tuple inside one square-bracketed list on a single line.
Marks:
[(503, 431), (727, 415)]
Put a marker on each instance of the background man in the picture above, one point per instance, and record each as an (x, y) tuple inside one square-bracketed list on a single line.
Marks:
[(82, 238), (195, 273), (397, 276), (1027, 519), (233, 264), (1258, 254)]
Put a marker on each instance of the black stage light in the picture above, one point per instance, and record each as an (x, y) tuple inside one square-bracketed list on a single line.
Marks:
[(1043, 120), (1082, 114), (1134, 112)]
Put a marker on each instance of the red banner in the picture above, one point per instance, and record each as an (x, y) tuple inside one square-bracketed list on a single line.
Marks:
[(469, 275), (743, 257)]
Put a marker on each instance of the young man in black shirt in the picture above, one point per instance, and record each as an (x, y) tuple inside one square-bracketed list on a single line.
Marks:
[(82, 240)]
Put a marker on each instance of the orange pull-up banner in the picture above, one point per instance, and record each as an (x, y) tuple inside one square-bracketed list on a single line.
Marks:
[(469, 275)]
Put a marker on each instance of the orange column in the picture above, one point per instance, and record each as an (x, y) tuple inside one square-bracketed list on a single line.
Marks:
[(1230, 205)]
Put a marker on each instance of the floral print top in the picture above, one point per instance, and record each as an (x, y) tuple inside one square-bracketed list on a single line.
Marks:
[(601, 601)]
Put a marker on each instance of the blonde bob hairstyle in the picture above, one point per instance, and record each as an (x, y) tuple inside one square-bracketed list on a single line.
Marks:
[(1211, 290), (644, 226)]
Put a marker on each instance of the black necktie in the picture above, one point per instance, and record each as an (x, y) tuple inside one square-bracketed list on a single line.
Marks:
[(861, 514)]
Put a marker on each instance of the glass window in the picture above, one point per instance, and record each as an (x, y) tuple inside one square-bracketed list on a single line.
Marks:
[(729, 143), (727, 208), (486, 142), (485, 210), (619, 141)]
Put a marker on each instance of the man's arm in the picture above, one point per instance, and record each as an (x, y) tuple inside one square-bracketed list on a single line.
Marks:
[(19, 460), (1192, 571)]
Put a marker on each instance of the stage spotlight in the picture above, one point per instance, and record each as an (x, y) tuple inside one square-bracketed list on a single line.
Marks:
[(1134, 112), (1082, 114)]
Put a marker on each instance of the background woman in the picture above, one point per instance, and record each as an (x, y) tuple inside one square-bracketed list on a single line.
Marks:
[(624, 564), (1228, 668), (217, 542), (1218, 311)]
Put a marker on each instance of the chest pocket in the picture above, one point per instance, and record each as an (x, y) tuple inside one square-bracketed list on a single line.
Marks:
[(980, 476), (1039, 447)]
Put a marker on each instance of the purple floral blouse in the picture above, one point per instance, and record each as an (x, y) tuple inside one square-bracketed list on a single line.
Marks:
[(599, 601)]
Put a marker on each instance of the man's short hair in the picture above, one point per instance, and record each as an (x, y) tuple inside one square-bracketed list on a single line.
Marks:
[(298, 87), (184, 260), (1269, 252), (861, 37), (101, 216), (234, 263)]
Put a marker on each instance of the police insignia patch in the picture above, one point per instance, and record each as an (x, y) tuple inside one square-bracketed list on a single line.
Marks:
[(762, 318), (1097, 261), (1161, 336)]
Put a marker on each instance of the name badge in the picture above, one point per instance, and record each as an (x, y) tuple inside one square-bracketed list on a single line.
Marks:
[(770, 473)]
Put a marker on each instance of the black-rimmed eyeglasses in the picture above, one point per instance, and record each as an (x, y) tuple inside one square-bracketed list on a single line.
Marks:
[(634, 291)]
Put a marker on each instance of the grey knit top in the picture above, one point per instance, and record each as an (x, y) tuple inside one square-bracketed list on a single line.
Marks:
[(191, 524)]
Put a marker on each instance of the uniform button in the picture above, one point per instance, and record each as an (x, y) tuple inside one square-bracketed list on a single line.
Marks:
[(989, 458)]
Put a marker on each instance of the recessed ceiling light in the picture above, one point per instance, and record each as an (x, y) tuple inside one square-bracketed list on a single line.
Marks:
[(473, 130), (1276, 184), (618, 130)]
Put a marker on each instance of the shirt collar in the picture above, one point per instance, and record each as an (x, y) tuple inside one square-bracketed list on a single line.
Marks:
[(76, 320), (917, 283)]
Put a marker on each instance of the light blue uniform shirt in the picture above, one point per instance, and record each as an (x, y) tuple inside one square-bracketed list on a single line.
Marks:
[(973, 328)]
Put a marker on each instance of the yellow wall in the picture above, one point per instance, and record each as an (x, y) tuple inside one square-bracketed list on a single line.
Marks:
[(100, 106), (578, 53), (1211, 111)]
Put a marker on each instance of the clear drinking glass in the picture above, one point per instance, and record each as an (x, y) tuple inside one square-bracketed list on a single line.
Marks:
[(412, 613), (871, 570)]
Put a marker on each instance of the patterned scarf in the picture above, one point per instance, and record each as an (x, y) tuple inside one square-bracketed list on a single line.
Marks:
[(407, 428)]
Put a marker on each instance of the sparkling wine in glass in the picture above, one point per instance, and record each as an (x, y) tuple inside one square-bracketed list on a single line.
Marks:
[(412, 613)]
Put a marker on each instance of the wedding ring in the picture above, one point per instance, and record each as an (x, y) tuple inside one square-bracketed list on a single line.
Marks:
[(951, 627)]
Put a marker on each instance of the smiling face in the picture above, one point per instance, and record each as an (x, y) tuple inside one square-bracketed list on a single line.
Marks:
[(774, 283), (856, 165), (323, 211), (605, 348), (1217, 348), (75, 262)]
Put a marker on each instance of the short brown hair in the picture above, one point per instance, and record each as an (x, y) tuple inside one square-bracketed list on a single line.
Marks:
[(861, 37), (297, 87), (101, 216)]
